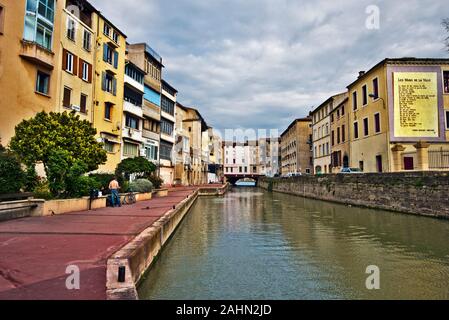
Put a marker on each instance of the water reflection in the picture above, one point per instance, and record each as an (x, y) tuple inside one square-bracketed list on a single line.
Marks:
[(252, 244)]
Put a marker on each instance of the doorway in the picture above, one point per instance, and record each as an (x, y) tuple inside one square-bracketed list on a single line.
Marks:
[(408, 163), (379, 163)]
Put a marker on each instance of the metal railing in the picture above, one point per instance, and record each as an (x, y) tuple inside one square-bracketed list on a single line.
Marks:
[(439, 159)]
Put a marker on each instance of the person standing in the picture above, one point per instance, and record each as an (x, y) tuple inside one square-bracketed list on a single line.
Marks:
[(115, 197)]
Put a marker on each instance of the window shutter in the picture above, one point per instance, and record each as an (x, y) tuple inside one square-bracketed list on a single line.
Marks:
[(114, 86), (105, 52), (64, 59), (75, 65), (90, 73), (80, 68), (103, 81), (115, 59)]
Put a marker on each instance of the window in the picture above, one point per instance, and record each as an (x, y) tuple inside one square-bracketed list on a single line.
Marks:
[(133, 97), (338, 135), (107, 111), (42, 82), (107, 29), (151, 152), (130, 149), (447, 120), (85, 71), (133, 73), (356, 130), (354, 100), (110, 56), (377, 122), (166, 150), (115, 37), (333, 137), (108, 146), (167, 105), (131, 122), (342, 110), (376, 88), (109, 83), (365, 95), (343, 133), (332, 117), (83, 103), (39, 18), (87, 40), (69, 62), (66, 98), (167, 127), (71, 29), (2, 18), (152, 96), (365, 127)]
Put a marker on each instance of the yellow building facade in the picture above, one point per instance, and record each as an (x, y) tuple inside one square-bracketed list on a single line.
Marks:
[(30, 52), (109, 66), (76, 75), (399, 116)]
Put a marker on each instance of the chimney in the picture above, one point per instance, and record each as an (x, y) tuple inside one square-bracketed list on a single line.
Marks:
[(361, 74)]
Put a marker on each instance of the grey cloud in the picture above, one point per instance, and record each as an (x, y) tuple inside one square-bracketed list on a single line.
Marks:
[(262, 63)]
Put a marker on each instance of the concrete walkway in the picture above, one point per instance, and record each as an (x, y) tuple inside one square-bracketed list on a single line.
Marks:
[(35, 252)]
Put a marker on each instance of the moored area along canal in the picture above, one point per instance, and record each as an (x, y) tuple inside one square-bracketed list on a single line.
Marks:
[(253, 244)]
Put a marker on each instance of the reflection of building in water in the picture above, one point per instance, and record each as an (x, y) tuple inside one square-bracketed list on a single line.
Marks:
[(343, 241)]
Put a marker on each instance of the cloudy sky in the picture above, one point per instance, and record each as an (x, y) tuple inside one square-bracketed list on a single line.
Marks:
[(262, 63)]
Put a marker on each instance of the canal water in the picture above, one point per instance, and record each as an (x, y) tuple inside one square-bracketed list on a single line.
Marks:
[(253, 244)]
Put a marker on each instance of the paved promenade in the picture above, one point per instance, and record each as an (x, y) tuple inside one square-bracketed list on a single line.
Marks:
[(34, 252)]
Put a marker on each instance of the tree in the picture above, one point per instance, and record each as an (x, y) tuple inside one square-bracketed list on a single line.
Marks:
[(139, 166), (12, 176), (49, 133), (446, 27)]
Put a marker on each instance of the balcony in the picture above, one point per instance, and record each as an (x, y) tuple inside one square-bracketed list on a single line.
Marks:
[(132, 108), (33, 52)]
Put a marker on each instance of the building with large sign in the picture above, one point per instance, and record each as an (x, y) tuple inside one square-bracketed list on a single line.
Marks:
[(399, 116)]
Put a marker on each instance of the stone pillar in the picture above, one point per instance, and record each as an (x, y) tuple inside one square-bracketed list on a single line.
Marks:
[(422, 154), (397, 157)]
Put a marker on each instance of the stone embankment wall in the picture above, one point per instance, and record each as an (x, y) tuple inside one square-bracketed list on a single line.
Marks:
[(138, 255), (420, 193)]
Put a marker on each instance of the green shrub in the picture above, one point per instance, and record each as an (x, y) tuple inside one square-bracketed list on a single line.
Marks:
[(31, 179), (139, 166), (156, 181), (81, 187), (103, 180), (42, 191), (141, 185), (12, 177)]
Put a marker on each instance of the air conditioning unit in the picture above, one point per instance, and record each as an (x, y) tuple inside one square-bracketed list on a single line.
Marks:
[(76, 108)]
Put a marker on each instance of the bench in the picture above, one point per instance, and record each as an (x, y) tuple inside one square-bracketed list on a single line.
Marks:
[(15, 196)]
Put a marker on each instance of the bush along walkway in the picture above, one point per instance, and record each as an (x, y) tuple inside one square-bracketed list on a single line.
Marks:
[(40, 256)]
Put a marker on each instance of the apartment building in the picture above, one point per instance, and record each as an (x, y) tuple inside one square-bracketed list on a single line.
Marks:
[(241, 158), (182, 158), (215, 170), (340, 146), (76, 75), (30, 52), (110, 46), (196, 125), (168, 102), (321, 134), (148, 60), (132, 120), (399, 115), (269, 155), (296, 154)]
